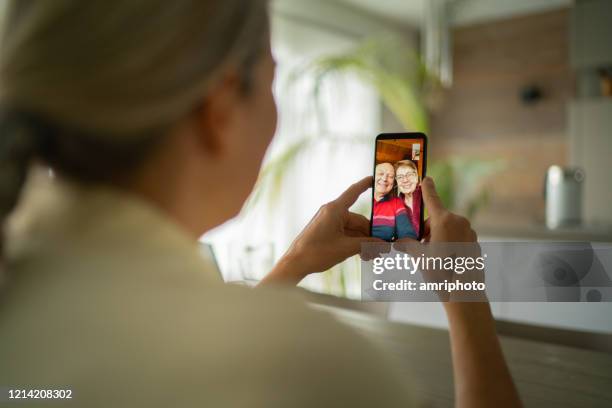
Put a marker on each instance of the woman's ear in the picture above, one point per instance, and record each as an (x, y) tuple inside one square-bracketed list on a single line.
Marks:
[(216, 116)]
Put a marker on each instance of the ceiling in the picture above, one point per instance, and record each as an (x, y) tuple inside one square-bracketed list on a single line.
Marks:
[(404, 11), (411, 12)]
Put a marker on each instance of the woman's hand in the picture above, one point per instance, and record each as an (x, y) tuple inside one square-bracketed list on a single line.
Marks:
[(333, 234), (482, 378), (445, 235)]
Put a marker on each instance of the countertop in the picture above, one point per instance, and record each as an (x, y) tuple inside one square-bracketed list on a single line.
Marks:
[(534, 231), (547, 375)]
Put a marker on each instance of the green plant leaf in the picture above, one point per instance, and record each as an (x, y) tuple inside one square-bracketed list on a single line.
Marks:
[(393, 69)]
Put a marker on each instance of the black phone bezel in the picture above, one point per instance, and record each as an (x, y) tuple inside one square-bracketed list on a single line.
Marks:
[(403, 135)]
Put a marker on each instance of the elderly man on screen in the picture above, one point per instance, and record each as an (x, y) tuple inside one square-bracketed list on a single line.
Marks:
[(389, 216)]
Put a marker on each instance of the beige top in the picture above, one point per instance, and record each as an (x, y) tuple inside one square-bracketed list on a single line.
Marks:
[(106, 296)]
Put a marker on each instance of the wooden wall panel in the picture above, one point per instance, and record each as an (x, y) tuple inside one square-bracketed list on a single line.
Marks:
[(393, 151), (483, 116)]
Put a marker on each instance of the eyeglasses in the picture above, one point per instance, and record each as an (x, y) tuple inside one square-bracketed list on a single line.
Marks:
[(408, 176)]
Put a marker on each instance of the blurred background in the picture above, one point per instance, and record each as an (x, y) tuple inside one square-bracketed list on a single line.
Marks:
[(515, 96)]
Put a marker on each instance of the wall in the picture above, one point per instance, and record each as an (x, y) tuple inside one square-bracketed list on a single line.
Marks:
[(590, 114), (482, 115), (342, 18)]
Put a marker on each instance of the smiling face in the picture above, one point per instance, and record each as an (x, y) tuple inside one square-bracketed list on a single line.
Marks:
[(383, 180), (407, 179)]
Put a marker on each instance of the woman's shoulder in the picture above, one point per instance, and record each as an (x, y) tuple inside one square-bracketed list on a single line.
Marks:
[(418, 191)]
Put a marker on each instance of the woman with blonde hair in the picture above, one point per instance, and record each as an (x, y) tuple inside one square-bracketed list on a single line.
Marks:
[(154, 117), (409, 190)]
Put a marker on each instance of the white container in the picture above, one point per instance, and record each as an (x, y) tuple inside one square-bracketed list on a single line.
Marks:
[(563, 196)]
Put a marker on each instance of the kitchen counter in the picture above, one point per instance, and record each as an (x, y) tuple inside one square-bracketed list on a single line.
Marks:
[(546, 375), (539, 232)]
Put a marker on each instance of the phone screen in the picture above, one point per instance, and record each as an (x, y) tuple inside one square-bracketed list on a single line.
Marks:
[(397, 200)]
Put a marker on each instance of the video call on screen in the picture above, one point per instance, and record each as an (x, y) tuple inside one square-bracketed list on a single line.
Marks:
[(396, 209)]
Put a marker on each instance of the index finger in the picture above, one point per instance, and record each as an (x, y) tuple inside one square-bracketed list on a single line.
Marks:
[(431, 198), (351, 194)]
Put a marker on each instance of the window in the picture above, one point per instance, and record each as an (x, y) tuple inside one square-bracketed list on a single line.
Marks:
[(321, 146)]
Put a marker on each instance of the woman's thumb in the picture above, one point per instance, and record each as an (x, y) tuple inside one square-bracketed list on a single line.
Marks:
[(430, 197)]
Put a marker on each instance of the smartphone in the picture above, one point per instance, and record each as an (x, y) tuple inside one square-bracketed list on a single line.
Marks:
[(400, 163)]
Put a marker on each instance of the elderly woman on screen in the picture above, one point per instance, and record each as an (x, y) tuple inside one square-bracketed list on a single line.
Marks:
[(409, 190)]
